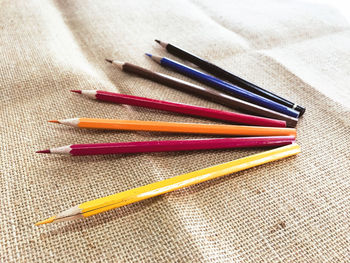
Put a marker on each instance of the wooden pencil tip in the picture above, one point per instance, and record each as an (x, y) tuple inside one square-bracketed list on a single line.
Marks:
[(76, 91), (46, 221), (108, 60), (148, 54), (158, 41), (54, 121), (44, 151)]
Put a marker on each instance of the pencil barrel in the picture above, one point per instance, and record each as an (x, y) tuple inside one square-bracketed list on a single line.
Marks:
[(135, 125), (178, 145), (189, 109)]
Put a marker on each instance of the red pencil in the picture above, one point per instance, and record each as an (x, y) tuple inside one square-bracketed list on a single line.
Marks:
[(168, 146), (181, 108)]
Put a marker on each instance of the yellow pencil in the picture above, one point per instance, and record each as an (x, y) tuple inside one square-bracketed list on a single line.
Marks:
[(140, 193)]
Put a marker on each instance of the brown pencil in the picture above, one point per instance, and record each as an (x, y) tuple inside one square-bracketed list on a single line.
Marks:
[(210, 94)]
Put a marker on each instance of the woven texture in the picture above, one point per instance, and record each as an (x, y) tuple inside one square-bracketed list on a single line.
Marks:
[(293, 210)]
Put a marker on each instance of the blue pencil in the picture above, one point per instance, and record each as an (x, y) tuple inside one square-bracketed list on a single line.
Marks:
[(220, 84)]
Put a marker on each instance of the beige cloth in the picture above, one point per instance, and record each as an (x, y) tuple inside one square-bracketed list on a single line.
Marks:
[(293, 210)]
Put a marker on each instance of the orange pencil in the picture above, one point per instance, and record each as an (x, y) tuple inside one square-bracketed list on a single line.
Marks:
[(159, 126)]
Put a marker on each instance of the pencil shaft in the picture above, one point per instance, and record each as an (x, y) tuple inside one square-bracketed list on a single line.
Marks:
[(225, 75), (178, 145), (207, 93), (137, 194), (136, 125), (230, 88), (188, 109)]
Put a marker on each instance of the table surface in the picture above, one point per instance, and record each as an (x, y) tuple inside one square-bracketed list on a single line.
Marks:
[(293, 210)]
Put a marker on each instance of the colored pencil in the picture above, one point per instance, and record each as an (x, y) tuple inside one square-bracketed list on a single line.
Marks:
[(170, 146), (168, 185), (228, 76), (205, 92), (181, 108), (227, 87), (198, 128)]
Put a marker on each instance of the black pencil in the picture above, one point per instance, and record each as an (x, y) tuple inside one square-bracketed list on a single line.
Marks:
[(225, 75)]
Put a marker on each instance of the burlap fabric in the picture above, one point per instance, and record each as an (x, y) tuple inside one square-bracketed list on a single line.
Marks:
[(294, 210)]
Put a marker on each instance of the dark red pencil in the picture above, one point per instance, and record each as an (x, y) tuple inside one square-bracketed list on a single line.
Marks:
[(181, 108), (169, 146)]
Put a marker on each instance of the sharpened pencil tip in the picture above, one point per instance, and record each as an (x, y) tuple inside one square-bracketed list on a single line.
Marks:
[(76, 91), (158, 41), (44, 151), (54, 121), (46, 221), (148, 54), (108, 60)]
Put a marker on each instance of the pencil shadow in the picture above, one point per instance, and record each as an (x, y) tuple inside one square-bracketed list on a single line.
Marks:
[(89, 158), (87, 131)]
